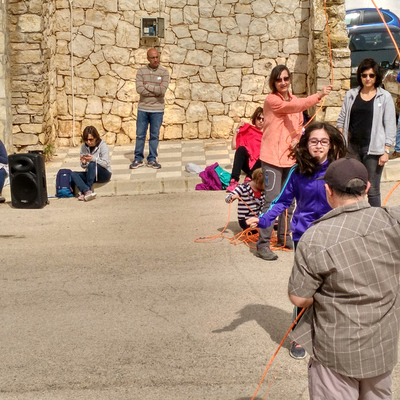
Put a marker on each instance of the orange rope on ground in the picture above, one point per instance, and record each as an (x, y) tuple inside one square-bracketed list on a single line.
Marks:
[(249, 236), (391, 192), (276, 352)]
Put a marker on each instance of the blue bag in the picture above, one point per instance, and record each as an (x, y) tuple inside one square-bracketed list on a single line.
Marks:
[(63, 184)]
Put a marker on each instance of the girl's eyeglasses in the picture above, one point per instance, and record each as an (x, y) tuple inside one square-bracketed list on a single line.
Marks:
[(324, 142), (285, 79), (372, 76)]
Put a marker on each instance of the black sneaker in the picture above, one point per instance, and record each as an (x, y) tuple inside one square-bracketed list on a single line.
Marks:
[(296, 351), (154, 164), (266, 254), (2, 200), (136, 164)]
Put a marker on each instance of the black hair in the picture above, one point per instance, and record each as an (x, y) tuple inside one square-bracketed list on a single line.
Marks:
[(369, 63), (355, 187), (308, 165), (275, 74)]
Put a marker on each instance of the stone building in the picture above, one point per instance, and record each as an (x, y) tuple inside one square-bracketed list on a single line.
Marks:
[(67, 64)]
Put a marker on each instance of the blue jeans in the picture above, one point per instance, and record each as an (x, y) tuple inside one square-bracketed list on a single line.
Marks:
[(85, 179), (3, 175), (371, 162), (397, 146), (145, 118)]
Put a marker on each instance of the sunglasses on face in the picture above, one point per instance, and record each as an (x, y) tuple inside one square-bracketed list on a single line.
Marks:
[(260, 118), (285, 79), (324, 142), (372, 76)]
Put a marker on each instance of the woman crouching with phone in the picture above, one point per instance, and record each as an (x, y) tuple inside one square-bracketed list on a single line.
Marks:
[(95, 160)]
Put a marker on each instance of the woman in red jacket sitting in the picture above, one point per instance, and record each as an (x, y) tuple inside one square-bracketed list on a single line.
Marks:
[(246, 141)]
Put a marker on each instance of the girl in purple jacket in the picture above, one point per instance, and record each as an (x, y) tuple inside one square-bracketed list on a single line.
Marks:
[(320, 145)]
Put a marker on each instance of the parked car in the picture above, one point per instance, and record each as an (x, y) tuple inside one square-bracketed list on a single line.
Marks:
[(372, 42), (390, 82), (369, 17)]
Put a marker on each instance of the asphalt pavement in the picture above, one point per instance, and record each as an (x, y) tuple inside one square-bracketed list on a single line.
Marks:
[(113, 299)]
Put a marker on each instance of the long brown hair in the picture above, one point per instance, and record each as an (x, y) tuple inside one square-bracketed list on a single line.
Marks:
[(308, 165), (275, 74)]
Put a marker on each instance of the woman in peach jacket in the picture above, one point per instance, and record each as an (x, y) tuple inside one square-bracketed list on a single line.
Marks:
[(283, 122)]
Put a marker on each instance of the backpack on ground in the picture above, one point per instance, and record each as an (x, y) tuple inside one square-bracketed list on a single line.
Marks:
[(63, 183)]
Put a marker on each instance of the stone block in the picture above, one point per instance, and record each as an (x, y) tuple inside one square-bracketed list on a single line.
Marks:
[(174, 185), (196, 112), (209, 24), (221, 127), (31, 128), (30, 23), (206, 92), (208, 74), (190, 130), (173, 132), (190, 15), (25, 139), (111, 122), (239, 60), (174, 115), (198, 57)]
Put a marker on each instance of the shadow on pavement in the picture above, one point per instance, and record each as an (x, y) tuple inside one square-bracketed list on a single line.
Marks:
[(273, 320), (232, 227)]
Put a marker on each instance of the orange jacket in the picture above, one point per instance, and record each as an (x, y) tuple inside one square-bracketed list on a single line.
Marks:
[(283, 121)]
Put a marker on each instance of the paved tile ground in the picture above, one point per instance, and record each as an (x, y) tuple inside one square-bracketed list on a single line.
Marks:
[(173, 156), (172, 177)]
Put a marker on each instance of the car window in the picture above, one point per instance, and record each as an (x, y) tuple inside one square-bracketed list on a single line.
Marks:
[(353, 18), (373, 17), (373, 41)]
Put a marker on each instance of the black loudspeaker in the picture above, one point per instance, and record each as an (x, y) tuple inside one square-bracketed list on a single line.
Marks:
[(27, 180)]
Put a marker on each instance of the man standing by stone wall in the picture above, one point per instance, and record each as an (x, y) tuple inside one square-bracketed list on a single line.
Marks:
[(151, 83)]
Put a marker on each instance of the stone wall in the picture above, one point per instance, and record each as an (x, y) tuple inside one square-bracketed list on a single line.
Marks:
[(5, 108), (219, 54)]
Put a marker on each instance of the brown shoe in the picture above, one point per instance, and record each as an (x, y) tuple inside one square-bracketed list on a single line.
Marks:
[(394, 155)]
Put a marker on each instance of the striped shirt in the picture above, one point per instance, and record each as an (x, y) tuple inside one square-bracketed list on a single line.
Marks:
[(246, 193), (349, 262), (152, 84)]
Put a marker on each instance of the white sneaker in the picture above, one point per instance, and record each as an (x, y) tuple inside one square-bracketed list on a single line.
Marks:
[(89, 195)]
